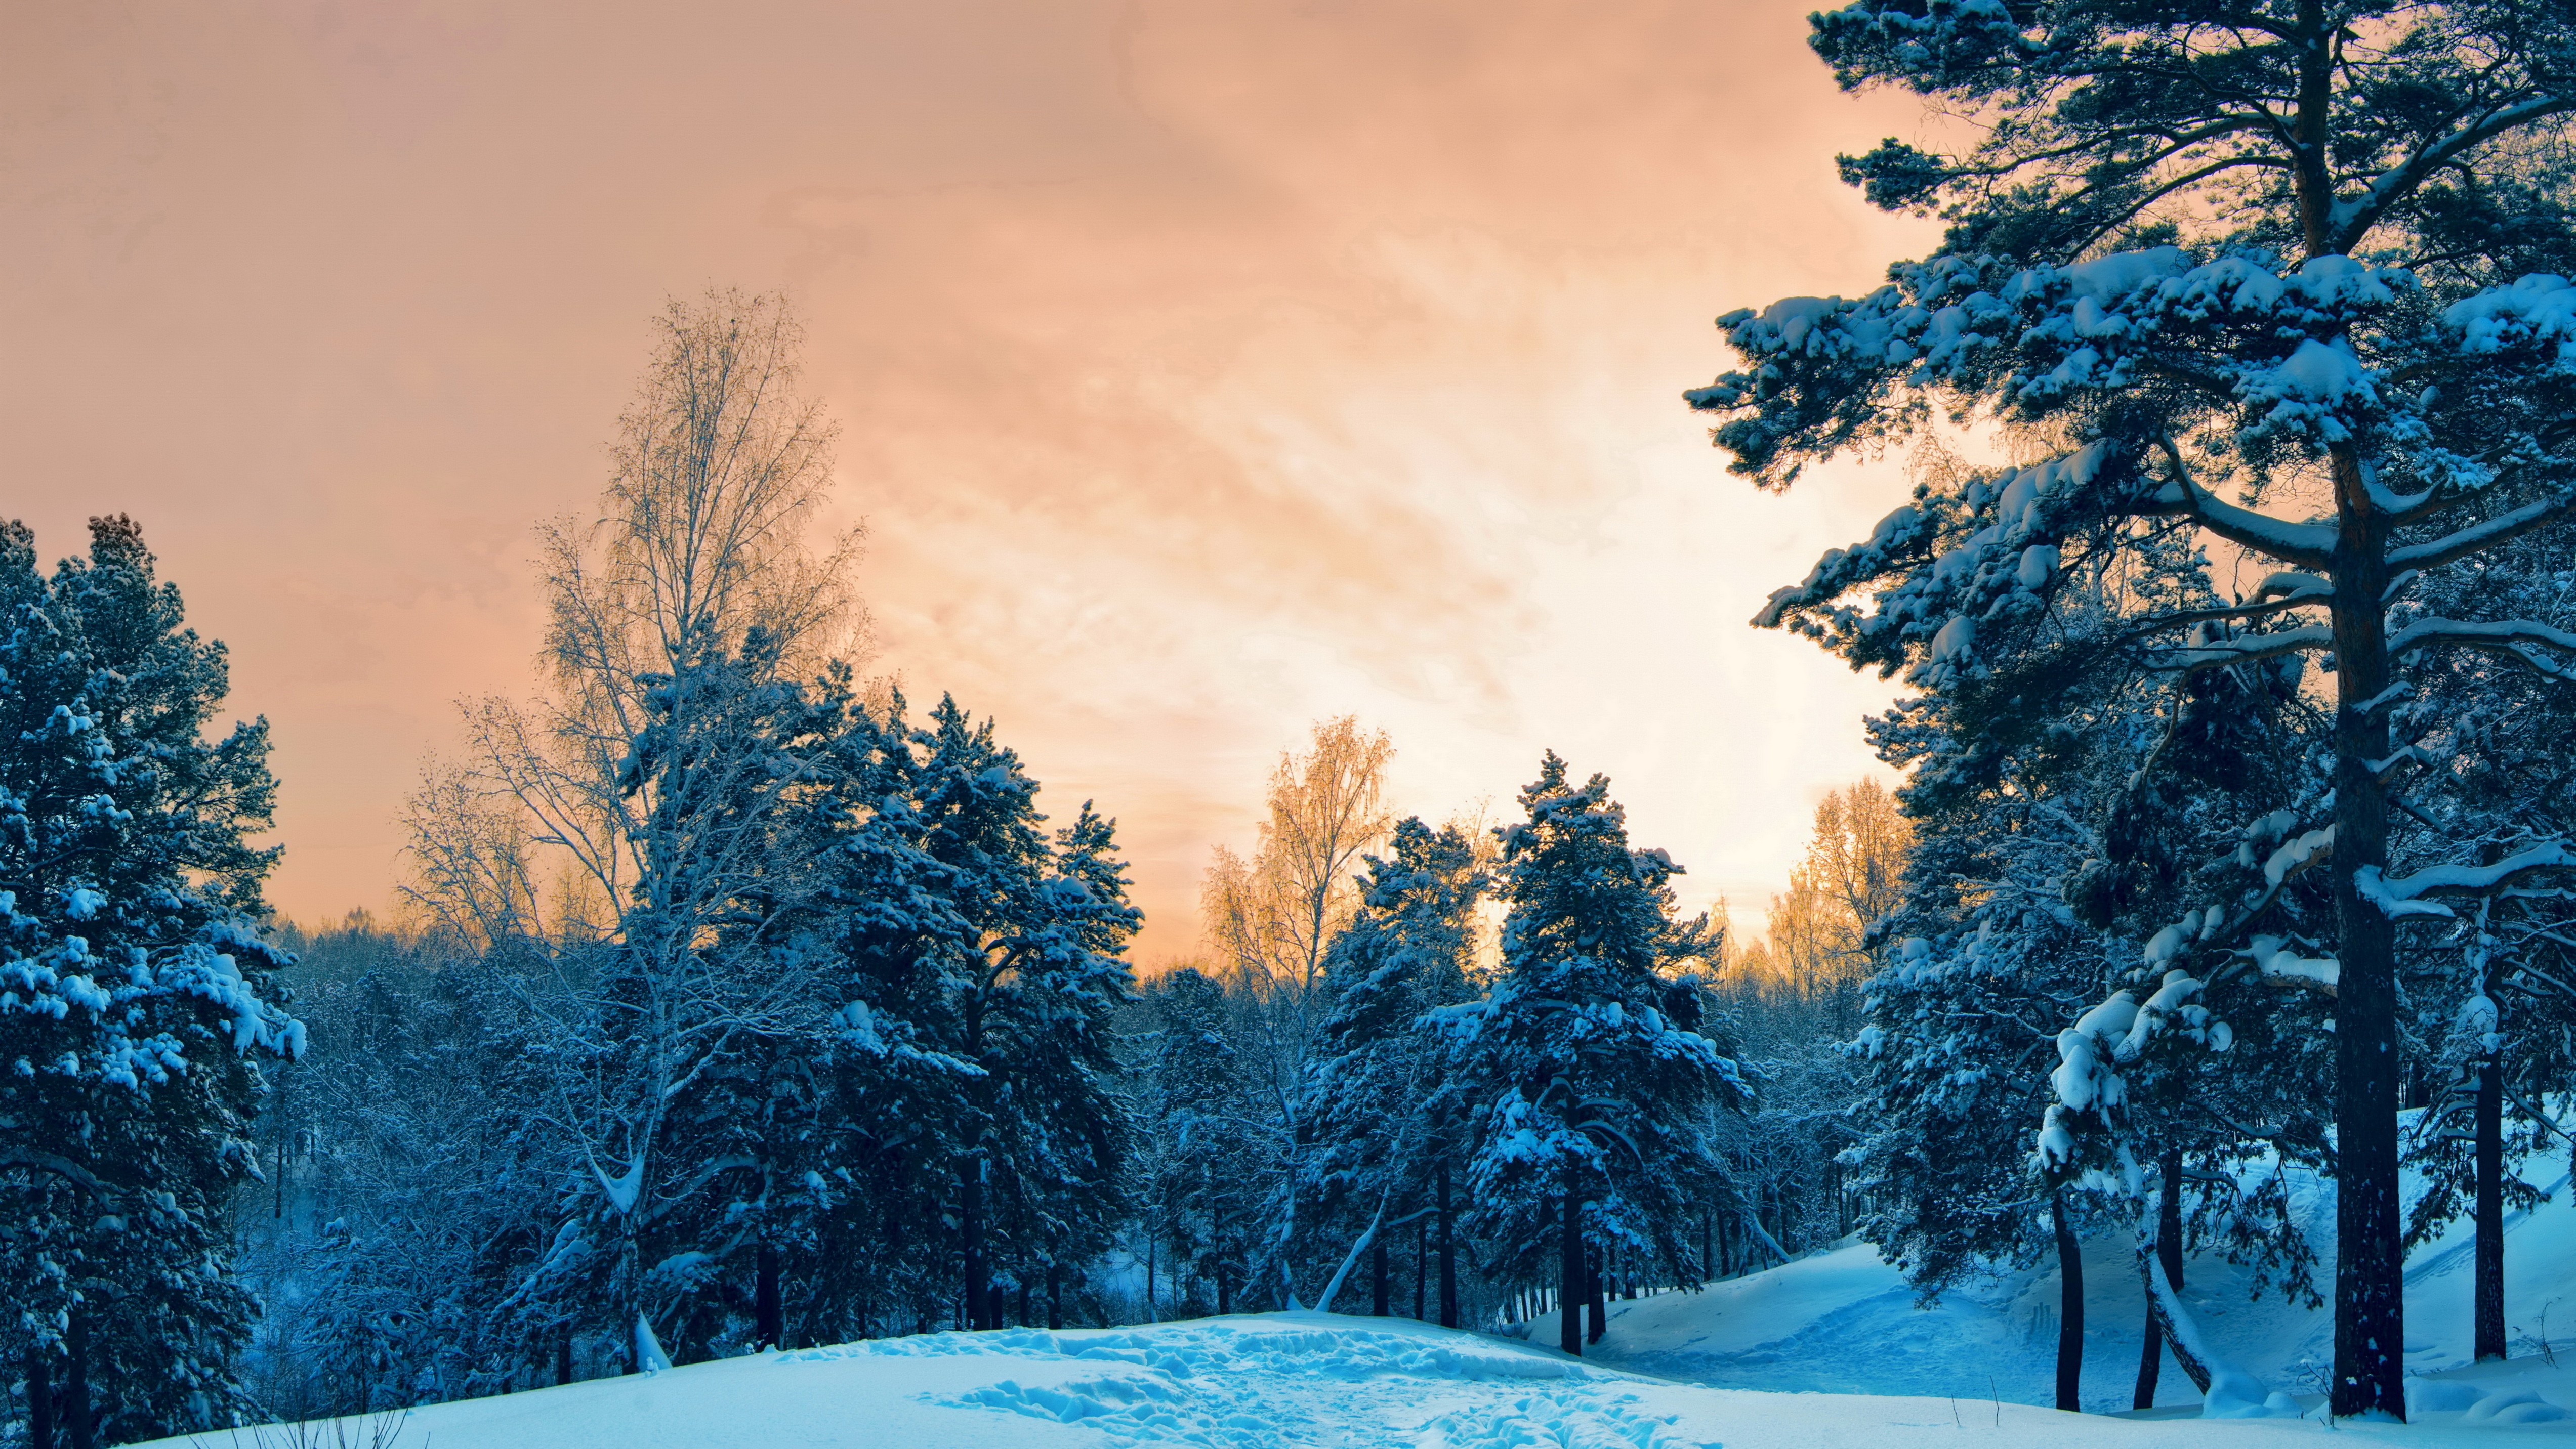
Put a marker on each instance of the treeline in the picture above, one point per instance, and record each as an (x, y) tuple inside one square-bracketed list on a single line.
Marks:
[(739, 1007)]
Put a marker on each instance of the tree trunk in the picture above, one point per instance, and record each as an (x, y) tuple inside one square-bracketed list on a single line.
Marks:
[(2070, 1308), (1593, 1296), (1378, 1276), (765, 1305), (76, 1416), (2370, 1307), (1055, 1295), (1569, 1274), (563, 1357), (277, 1212), (1216, 1244), (2168, 1255), (1707, 1242), (1448, 1257), (2490, 1209), (1421, 1270), (970, 1224), (40, 1401), (1024, 1303)]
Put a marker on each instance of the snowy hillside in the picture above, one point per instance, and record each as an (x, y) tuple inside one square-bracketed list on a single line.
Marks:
[(1844, 1322), (1250, 1383)]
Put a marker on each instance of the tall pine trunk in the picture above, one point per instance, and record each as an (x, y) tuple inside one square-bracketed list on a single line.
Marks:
[(765, 1305), (1224, 1280), (1569, 1273), (970, 1224), (1055, 1295), (1378, 1275), (2070, 1308), (1448, 1257), (2490, 1209), (2151, 1357), (76, 1408), (1593, 1293), (40, 1400), (1421, 1269), (2370, 1308)]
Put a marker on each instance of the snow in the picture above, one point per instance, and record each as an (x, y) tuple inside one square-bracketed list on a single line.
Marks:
[(1828, 1350), (1842, 1321), (1320, 1379), (2535, 311)]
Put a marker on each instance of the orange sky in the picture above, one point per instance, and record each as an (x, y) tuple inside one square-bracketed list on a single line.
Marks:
[(1203, 369)]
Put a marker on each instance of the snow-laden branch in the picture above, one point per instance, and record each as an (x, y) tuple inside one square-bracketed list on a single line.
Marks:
[(2484, 534), (2350, 219), (2500, 634), (2405, 896), (2309, 545), (2248, 648)]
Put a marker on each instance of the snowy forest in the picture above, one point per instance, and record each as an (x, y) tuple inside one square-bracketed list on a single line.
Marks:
[(739, 1000)]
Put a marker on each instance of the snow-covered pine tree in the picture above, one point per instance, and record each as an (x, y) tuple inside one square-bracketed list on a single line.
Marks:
[(1200, 1191), (2063, 794), (1591, 1103), (1377, 1113), (2216, 246), (135, 994), (2482, 749), (981, 963)]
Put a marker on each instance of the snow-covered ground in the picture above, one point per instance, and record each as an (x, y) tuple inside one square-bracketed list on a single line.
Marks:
[(1826, 1351), (1254, 1383), (1844, 1322)]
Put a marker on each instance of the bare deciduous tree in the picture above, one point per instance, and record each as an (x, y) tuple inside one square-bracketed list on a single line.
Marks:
[(638, 787)]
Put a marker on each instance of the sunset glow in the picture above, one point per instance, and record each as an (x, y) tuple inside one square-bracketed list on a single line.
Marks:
[(1203, 371)]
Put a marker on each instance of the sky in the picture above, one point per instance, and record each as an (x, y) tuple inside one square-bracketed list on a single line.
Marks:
[(1203, 371)]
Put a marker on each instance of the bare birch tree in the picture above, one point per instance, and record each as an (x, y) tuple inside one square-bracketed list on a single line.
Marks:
[(640, 784)]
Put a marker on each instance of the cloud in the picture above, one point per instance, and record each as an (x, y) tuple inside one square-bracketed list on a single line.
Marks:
[(1203, 370)]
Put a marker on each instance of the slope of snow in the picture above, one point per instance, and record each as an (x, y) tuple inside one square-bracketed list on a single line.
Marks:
[(1250, 1383), (1842, 1321)]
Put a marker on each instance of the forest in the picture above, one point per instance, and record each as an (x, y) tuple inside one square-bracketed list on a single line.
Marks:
[(738, 1001)]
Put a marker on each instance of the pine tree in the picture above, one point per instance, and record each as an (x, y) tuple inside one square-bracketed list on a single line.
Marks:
[(137, 994), (2220, 248), (1201, 1198), (980, 964), (1592, 1103), (1377, 1113)]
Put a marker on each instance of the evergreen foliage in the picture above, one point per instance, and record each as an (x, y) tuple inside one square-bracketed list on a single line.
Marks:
[(1592, 1097), (2213, 249), (136, 995)]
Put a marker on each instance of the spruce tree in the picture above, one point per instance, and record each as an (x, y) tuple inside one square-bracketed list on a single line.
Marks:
[(1591, 1102)]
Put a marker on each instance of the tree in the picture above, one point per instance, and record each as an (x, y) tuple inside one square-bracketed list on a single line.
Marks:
[(1270, 921), (1590, 1097), (2217, 246), (138, 995), (978, 963), (649, 781), (1272, 918), (1201, 1186), (1378, 1115)]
